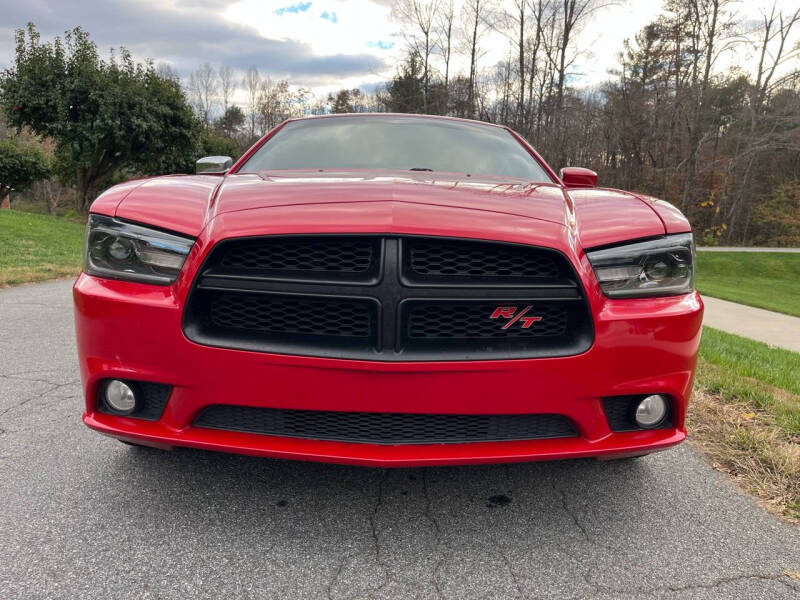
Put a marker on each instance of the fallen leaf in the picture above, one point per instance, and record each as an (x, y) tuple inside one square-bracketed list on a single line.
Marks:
[(750, 415)]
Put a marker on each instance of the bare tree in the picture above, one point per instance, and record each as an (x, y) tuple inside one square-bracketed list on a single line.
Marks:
[(420, 16), (203, 90), (763, 137), (709, 27), (543, 16), (273, 98), (571, 12), (166, 71), (226, 86), (571, 17), (252, 86), (475, 20), (544, 36), (444, 38), (772, 55), (277, 101), (512, 22)]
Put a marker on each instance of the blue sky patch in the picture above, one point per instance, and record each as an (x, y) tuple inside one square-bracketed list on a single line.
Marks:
[(330, 16), (381, 44), (293, 8)]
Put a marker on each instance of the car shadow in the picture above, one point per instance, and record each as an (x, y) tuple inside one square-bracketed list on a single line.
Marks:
[(539, 499)]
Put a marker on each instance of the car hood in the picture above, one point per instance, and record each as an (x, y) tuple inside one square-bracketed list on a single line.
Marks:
[(187, 204), (503, 195)]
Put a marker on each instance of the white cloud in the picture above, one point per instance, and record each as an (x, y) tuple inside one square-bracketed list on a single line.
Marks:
[(325, 44), (328, 27), (604, 34)]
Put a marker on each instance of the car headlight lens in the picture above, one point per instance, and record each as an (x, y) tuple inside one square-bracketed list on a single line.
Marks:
[(662, 267), (121, 250)]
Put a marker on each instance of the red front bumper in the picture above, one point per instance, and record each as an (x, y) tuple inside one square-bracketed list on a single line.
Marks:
[(130, 330)]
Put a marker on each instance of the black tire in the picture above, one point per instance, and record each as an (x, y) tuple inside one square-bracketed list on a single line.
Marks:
[(134, 444), (623, 459)]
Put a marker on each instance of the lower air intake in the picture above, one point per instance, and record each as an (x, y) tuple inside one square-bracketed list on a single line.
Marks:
[(384, 428)]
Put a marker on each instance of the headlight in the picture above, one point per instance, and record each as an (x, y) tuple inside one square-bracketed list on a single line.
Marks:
[(121, 250), (662, 267)]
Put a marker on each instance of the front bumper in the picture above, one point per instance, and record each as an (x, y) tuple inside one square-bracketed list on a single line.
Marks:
[(133, 331)]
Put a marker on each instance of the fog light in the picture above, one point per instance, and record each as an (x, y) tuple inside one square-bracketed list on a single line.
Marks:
[(120, 397), (651, 411)]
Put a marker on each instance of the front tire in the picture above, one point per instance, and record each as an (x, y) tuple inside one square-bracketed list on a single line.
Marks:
[(626, 459), (134, 444)]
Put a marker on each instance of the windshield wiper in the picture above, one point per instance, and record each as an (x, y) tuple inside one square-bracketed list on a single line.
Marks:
[(420, 169)]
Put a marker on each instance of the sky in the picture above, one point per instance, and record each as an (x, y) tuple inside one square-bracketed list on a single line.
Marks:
[(321, 44)]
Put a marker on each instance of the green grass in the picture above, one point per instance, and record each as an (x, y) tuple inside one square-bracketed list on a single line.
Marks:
[(752, 371), (745, 414), (768, 280), (748, 358), (37, 247)]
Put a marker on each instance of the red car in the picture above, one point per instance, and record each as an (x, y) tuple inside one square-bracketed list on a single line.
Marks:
[(388, 290)]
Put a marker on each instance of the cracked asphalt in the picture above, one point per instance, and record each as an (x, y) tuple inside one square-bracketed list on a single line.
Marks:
[(84, 516)]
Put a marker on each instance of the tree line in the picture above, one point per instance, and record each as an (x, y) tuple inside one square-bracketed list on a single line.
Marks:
[(721, 144)]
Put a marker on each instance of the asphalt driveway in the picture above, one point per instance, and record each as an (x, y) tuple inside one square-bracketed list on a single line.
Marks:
[(84, 516)]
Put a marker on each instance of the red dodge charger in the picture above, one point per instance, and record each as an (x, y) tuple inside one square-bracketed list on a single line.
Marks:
[(388, 290)]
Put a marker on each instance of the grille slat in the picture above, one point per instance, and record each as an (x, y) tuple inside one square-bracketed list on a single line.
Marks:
[(477, 261), (299, 257), (291, 315), (385, 428)]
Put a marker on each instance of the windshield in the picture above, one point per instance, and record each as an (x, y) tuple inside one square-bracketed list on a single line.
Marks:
[(396, 143)]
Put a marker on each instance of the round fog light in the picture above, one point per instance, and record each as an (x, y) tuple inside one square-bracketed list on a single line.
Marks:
[(651, 411), (120, 397)]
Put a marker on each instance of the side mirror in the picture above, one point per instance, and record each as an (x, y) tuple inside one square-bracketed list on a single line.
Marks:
[(578, 177), (213, 164)]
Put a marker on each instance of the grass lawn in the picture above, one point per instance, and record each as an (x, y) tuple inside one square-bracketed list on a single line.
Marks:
[(768, 280), (37, 247), (745, 413)]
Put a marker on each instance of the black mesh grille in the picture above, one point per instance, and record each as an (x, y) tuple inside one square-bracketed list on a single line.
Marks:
[(385, 428), (151, 399), (291, 315), (298, 257), (443, 320), (619, 413), (385, 297), (435, 258)]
